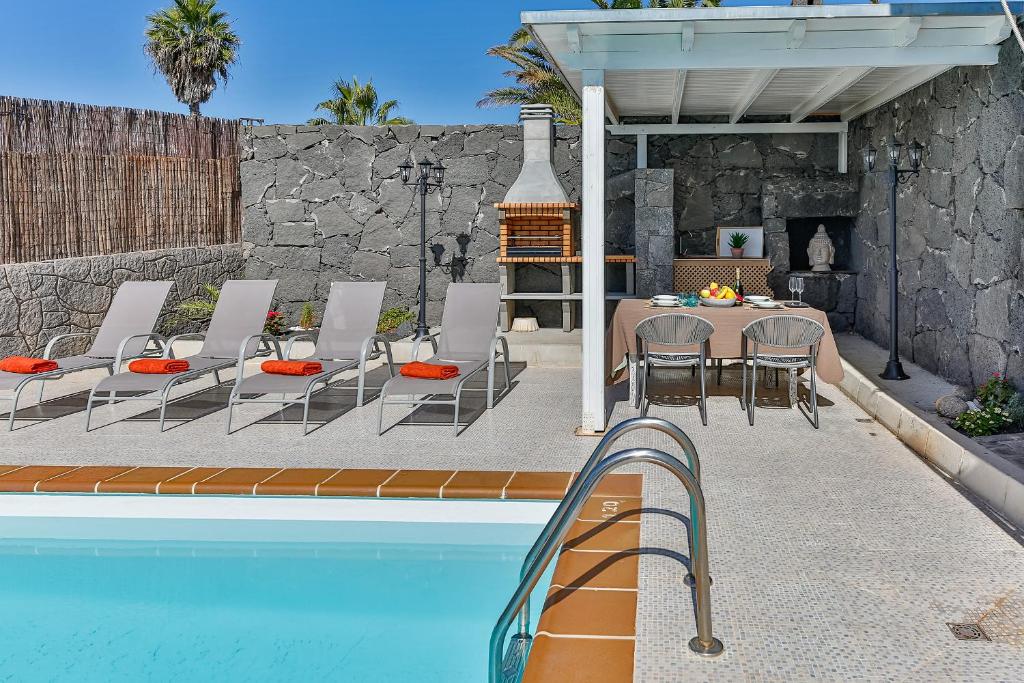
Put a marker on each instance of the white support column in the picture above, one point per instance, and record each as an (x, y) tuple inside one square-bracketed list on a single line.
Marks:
[(641, 150), (593, 418)]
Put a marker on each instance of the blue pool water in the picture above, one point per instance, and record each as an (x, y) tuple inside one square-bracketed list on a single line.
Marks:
[(393, 602)]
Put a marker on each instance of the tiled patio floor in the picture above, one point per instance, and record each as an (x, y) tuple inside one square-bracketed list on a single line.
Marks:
[(836, 554)]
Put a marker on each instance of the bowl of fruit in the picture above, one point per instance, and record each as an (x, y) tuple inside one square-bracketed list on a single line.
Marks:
[(718, 295)]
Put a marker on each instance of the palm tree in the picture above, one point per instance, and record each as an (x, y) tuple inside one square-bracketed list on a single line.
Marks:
[(191, 44), (536, 80), (355, 104)]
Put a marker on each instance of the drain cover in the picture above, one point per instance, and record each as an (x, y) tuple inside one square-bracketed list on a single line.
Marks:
[(967, 631)]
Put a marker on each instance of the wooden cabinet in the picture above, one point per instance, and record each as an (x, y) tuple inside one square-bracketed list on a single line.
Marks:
[(692, 274)]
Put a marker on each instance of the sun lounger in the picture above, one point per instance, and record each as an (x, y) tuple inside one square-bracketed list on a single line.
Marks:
[(468, 340), (348, 338), (126, 330), (234, 334)]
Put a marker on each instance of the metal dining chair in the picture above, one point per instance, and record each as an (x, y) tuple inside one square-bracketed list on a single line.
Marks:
[(781, 332), (674, 329)]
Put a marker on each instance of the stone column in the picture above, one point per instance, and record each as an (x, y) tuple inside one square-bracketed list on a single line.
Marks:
[(655, 232)]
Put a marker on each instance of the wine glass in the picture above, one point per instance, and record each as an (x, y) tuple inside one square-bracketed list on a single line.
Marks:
[(792, 287), (800, 289)]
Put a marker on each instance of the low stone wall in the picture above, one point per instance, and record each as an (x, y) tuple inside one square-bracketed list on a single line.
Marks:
[(41, 300), (960, 224)]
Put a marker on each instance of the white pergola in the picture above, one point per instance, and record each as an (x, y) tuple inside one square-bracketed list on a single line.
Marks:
[(750, 70)]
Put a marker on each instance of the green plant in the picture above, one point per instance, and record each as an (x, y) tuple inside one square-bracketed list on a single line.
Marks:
[(392, 318), (996, 392), (738, 240), (198, 309), (307, 318), (355, 104), (985, 422), (191, 44), (1015, 410)]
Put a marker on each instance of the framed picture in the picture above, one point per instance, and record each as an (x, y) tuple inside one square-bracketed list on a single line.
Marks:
[(754, 248)]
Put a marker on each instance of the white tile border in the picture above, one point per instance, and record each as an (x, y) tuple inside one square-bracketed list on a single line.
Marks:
[(984, 473)]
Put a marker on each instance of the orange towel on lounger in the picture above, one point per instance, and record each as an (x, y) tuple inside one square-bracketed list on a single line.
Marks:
[(24, 365), (292, 367), (158, 366), (429, 370)]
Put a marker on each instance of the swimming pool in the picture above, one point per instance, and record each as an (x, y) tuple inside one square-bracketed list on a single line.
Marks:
[(193, 599)]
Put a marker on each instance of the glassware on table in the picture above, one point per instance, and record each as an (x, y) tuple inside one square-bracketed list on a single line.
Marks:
[(792, 287), (688, 299), (800, 289)]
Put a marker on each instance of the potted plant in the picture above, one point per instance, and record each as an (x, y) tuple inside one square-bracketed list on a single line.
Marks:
[(307, 319), (274, 324), (737, 241)]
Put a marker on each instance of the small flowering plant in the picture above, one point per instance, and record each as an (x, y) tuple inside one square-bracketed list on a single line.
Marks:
[(274, 324), (995, 397)]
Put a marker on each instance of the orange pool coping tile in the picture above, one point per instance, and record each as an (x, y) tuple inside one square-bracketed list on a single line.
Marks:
[(355, 483), (415, 484), (588, 612), (80, 479), (300, 481), (139, 480), (538, 485), (26, 479), (186, 481), (607, 535), (580, 660), (621, 485), (620, 569), (618, 509), (235, 480), (475, 484)]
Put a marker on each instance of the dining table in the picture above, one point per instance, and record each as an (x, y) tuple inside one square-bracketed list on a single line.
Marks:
[(725, 342)]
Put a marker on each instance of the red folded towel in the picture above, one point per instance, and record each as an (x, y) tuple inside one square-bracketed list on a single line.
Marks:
[(429, 370), (292, 367), (23, 365), (158, 366)]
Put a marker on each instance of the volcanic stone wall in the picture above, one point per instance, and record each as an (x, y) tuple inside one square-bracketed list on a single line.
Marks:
[(961, 304), (41, 300)]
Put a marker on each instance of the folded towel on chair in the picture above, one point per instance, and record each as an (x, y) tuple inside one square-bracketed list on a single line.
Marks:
[(23, 365), (158, 366), (292, 367), (429, 370)]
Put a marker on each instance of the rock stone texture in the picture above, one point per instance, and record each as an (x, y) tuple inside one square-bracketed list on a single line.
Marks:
[(325, 203), (41, 300), (654, 231), (960, 224), (719, 179)]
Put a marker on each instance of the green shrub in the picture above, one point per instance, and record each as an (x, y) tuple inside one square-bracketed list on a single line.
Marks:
[(1015, 410), (996, 392), (985, 422), (391, 319)]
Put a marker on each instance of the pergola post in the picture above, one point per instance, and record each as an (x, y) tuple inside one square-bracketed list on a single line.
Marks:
[(593, 418)]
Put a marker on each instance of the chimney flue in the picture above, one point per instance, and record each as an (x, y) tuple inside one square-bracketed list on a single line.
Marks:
[(537, 183)]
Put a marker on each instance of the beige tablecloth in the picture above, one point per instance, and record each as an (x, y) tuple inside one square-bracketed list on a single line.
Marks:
[(727, 340)]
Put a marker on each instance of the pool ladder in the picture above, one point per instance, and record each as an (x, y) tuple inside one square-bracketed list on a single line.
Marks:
[(510, 669)]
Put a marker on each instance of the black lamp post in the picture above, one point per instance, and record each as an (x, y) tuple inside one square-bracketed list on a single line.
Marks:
[(429, 177), (897, 176)]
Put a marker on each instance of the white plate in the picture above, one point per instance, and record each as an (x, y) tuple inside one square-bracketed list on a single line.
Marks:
[(665, 304), (754, 298), (665, 297), (766, 304)]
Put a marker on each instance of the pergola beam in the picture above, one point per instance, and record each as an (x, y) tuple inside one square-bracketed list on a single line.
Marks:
[(799, 58), (726, 128), (905, 84), (677, 94), (831, 89), (754, 89)]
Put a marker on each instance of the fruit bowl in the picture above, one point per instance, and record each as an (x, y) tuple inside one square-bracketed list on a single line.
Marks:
[(720, 303)]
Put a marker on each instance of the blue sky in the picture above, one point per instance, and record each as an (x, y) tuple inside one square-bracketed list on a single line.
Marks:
[(429, 54)]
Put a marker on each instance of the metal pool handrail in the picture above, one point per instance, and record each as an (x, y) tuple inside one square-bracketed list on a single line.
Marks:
[(602, 450), (704, 643)]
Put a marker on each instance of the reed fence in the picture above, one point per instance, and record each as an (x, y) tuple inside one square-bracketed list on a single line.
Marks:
[(81, 180)]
